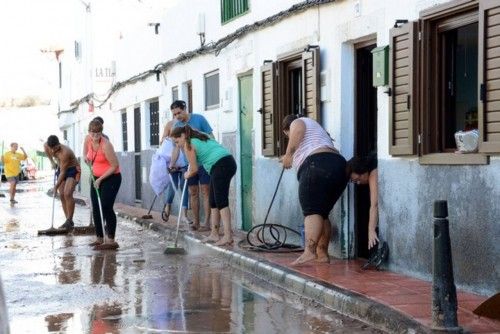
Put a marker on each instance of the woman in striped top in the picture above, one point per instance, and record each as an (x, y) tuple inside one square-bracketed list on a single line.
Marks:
[(321, 172)]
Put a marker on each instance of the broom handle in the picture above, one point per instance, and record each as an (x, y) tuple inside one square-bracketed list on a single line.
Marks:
[(98, 201), (151, 207), (53, 201), (100, 211), (179, 215)]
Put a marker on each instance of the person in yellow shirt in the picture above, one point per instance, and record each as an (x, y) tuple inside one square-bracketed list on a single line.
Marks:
[(12, 167)]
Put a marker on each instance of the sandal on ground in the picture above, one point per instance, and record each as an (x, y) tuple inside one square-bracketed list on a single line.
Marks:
[(165, 216), (226, 243), (95, 243), (107, 246)]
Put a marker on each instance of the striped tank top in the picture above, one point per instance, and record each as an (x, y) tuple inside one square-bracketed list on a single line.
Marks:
[(315, 137)]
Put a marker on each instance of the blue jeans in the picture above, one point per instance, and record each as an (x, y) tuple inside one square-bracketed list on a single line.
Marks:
[(169, 193)]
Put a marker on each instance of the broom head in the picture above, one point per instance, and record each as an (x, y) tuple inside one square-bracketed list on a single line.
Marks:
[(53, 231)]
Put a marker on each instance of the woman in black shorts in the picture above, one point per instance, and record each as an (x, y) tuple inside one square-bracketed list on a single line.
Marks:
[(322, 176)]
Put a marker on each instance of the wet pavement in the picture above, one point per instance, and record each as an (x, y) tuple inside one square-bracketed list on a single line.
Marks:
[(59, 284)]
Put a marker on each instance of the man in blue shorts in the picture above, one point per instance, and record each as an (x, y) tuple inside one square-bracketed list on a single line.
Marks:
[(68, 175), (202, 179)]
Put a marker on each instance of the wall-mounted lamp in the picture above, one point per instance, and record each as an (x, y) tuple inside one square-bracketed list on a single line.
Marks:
[(309, 47), (399, 23), (158, 72), (57, 52), (201, 28), (156, 25)]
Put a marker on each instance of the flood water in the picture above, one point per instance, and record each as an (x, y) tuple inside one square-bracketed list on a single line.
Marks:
[(60, 285)]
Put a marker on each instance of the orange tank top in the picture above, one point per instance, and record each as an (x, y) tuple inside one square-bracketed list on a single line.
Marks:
[(98, 160)]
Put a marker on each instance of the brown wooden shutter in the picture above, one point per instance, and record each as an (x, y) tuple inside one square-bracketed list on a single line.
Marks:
[(310, 84), (268, 109), (489, 76), (402, 81)]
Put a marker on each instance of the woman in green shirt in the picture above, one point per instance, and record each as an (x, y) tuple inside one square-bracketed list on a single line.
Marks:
[(200, 149)]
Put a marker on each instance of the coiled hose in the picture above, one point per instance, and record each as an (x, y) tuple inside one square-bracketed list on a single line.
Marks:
[(276, 234)]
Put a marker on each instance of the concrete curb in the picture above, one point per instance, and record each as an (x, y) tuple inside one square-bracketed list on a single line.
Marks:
[(343, 301)]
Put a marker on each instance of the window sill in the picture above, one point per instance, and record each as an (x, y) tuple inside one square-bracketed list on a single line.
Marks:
[(454, 159), (212, 107)]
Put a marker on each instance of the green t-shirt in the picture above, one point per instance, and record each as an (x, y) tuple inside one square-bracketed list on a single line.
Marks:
[(208, 152)]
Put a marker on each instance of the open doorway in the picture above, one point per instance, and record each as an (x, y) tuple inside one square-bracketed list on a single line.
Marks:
[(365, 140)]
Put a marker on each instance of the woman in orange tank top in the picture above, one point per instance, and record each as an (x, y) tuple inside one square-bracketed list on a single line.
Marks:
[(107, 179)]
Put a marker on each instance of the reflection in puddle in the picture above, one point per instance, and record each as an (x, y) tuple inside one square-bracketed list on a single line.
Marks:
[(191, 298), (60, 285)]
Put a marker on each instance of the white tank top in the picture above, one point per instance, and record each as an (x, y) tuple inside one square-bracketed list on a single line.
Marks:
[(315, 137)]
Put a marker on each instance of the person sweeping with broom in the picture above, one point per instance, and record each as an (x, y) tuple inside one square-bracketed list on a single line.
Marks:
[(104, 188), (219, 163), (68, 175)]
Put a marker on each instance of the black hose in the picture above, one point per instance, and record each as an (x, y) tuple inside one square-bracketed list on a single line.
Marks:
[(277, 232)]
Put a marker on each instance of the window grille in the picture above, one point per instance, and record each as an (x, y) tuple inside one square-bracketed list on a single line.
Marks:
[(154, 124), (231, 9), (124, 132)]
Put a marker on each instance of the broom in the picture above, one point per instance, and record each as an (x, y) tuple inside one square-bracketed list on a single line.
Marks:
[(149, 215), (86, 230), (53, 231), (103, 246), (178, 250)]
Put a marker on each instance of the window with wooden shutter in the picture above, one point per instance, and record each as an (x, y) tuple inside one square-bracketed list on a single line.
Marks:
[(268, 109), (311, 73), (489, 76), (402, 81)]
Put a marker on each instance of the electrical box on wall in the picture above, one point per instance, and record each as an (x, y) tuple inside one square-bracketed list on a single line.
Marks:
[(380, 58)]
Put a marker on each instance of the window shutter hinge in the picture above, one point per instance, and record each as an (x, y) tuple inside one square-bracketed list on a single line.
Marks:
[(419, 138), (419, 35), (482, 93)]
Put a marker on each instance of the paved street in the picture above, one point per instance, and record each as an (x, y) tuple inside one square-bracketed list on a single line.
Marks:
[(59, 284)]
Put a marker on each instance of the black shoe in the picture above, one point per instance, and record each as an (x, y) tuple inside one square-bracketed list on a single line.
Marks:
[(68, 225), (378, 257), (13, 201), (382, 254)]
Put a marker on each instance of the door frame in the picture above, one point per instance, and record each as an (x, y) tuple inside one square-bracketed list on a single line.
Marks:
[(244, 225), (356, 244)]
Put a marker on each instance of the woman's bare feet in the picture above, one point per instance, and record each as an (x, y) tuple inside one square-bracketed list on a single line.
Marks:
[(225, 241), (98, 241), (323, 256), (304, 258), (323, 259), (203, 229), (211, 238)]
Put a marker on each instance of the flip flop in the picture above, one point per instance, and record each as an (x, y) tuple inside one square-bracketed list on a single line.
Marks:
[(95, 243), (107, 246)]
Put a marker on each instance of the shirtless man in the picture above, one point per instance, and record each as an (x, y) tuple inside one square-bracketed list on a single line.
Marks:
[(68, 174)]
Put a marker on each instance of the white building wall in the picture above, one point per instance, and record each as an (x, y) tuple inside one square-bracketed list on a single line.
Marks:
[(336, 28)]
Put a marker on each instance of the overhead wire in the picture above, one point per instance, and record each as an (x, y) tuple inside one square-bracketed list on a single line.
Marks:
[(212, 47)]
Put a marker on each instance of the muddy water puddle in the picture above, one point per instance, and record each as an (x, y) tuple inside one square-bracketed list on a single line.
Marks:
[(60, 285)]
